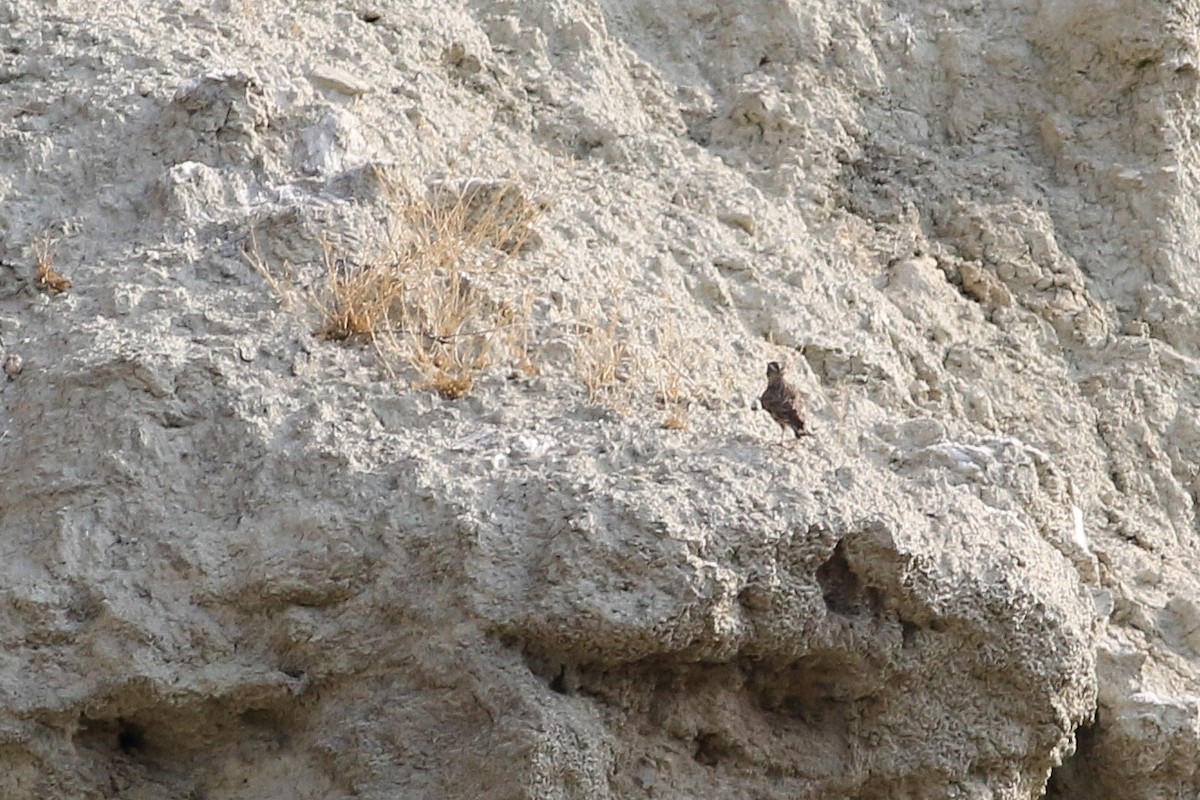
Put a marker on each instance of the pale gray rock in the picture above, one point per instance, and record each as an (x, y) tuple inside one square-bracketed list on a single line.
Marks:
[(240, 561)]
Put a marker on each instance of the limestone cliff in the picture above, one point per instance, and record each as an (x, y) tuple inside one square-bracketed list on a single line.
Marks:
[(247, 551)]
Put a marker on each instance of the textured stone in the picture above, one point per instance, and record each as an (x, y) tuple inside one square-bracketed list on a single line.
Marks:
[(241, 561)]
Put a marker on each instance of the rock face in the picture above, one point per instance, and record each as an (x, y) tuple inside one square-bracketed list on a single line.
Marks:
[(240, 560)]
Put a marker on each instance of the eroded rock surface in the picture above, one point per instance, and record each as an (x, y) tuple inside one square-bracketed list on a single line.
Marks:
[(242, 561)]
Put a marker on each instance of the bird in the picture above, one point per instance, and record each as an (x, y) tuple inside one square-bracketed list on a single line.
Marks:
[(13, 364), (784, 403)]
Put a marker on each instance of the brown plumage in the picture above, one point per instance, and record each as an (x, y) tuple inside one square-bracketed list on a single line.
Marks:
[(783, 402)]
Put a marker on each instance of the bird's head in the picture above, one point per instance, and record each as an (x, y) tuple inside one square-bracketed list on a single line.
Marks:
[(774, 370)]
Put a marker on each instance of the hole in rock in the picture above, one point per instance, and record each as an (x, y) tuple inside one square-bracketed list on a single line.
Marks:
[(550, 671), (844, 593), (1074, 779), (267, 725), (814, 690), (110, 735), (131, 737), (711, 749), (559, 682)]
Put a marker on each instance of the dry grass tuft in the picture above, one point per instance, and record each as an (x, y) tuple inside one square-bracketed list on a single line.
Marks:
[(674, 389), (357, 300), (441, 295), (439, 291), (47, 278), (618, 362), (606, 362)]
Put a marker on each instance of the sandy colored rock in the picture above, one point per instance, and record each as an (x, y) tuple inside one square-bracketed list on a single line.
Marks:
[(243, 560)]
